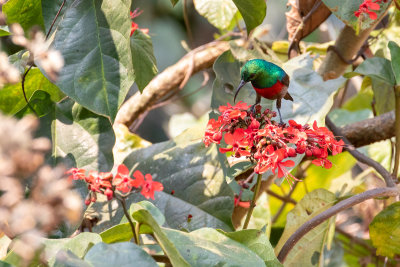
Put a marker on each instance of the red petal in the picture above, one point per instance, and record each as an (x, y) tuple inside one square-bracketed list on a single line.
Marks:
[(229, 139), (122, 169), (288, 163), (372, 15)]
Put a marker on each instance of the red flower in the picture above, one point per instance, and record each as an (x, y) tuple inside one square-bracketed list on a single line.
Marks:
[(238, 141), (99, 181), (122, 181), (148, 186), (76, 174), (134, 25), (233, 112), (366, 7)]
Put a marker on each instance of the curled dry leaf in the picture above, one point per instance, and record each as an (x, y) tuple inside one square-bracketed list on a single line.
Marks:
[(301, 23)]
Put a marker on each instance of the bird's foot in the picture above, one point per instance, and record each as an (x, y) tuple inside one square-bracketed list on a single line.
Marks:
[(256, 108)]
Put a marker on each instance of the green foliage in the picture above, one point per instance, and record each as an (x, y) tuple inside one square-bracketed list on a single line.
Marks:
[(143, 60), (26, 13), (395, 62), (119, 254), (4, 31), (144, 217), (81, 138), (344, 10), (253, 12), (208, 247), (49, 9), (385, 231), (93, 37), (174, 2), (12, 99), (303, 253), (219, 13)]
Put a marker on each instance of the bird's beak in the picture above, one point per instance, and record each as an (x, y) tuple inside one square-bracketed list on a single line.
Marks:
[(241, 84)]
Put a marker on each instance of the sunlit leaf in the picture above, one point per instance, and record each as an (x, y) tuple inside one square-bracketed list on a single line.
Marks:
[(218, 12), (395, 60), (385, 231), (312, 244), (26, 13)]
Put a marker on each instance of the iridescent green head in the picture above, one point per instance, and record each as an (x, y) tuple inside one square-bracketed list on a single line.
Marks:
[(260, 73)]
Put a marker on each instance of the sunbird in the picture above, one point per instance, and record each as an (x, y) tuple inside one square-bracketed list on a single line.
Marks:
[(268, 80)]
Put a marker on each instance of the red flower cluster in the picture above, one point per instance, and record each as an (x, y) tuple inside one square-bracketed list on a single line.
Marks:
[(366, 8), (135, 26), (107, 184), (255, 136)]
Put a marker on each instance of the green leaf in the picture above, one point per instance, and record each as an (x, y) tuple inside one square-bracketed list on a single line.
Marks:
[(93, 38), (4, 31), (50, 9), (12, 99), (383, 95), (208, 247), (253, 12), (384, 231), (303, 253), (117, 233), (144, 217), (153, 210), (40, 102), (395, 57), (344, 10), (81, 137), (218, 12), (258, 242), (143, 60), (119, 254), (342, 117), (26, 13), (376, 68)]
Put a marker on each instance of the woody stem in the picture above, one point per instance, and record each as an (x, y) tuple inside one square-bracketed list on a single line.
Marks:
[(253, 201), (135, 234)]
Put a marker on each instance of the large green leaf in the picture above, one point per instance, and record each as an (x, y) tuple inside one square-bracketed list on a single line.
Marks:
[(344, 10), (395, 56), (143, 60), (384, 231), (93, 38), (11, 96), (193, 179), (27, 13), (144, 217), (69, 259), (40, 102), (208, 247), (119, 254), (253, 12), (258, 242), (308, 250), (219, 13), (310, 101), (376, 68), (4, 31), (81, 137)]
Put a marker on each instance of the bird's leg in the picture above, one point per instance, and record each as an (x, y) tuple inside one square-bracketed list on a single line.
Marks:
[(278, 106), (253, 107)]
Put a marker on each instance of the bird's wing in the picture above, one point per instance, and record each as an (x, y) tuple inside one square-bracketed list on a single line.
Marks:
[(285, 80)]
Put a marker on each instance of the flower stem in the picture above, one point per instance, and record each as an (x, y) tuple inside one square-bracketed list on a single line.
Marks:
[(253, 202), (134, 232)]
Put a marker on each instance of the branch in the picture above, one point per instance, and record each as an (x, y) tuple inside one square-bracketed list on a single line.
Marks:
[(369, 131), (360, 156), (332, 211), (347, 45), (167, 81)]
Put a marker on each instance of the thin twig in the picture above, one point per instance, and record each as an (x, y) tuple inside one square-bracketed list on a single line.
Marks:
[(282, 207), (55, 18), (287, 199), (253, 202), (135, 235), (23, 90), (161, 258), (332, 211), (360, 156)]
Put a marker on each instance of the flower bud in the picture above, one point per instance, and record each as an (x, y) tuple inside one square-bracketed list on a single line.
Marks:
[(217, 136), (291, 152), (108, 193), (316, 152), (309, 153)]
